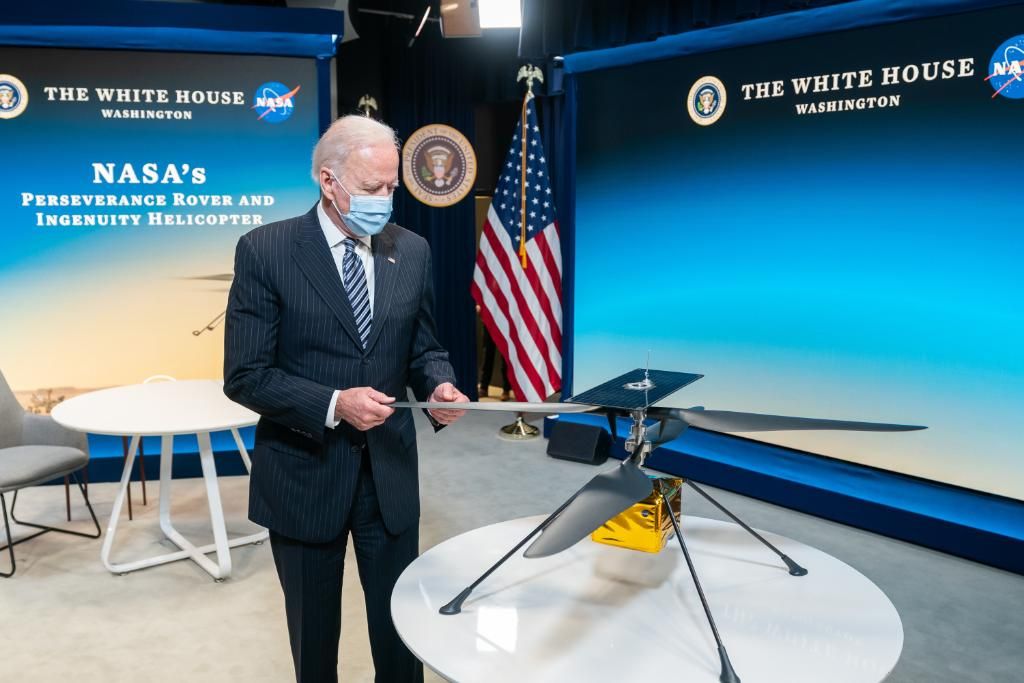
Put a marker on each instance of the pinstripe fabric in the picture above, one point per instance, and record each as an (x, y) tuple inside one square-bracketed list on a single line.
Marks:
[(291, 339), (358, 295), (311, 575)]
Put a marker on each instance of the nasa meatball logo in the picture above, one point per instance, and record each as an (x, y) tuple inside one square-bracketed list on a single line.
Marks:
[(706, 101), (1005, 69), (13, 97), (274, 102), (438, 165)]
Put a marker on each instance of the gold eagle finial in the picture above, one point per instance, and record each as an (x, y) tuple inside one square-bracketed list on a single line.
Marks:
[(366, 103), (531, 73)]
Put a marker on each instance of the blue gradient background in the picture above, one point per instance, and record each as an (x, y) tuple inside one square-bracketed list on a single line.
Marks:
[(50, 149), (861, 265)]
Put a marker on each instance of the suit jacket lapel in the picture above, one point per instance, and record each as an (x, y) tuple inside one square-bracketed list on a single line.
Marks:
[(385, 272), (313, 257)]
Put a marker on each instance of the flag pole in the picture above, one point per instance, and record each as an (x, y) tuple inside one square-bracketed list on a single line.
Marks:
[(523, 130), (530, 73), (520, 430)]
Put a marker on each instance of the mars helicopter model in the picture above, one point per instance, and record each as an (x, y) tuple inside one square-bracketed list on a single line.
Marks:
[(608, 494)]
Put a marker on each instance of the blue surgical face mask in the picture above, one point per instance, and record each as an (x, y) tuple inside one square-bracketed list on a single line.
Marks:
[(367, 214)]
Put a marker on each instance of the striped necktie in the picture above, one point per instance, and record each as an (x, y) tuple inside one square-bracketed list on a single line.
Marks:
[(355, 284)]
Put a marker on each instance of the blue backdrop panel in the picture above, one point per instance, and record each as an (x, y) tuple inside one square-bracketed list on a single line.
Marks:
[(120, 290), (836, 250), (174, 27)]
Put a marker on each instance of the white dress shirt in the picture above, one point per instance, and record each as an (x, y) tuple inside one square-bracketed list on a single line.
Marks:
[(336, 241)]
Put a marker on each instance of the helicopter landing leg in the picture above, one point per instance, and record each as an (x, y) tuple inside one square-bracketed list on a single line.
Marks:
[(794, 568), (728, 674), (455, 606)]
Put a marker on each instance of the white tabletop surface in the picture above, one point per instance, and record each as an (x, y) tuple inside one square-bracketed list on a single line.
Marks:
[(184, 407), (597, 613)]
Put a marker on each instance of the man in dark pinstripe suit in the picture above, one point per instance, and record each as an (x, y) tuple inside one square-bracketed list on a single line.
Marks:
[(330, 318)]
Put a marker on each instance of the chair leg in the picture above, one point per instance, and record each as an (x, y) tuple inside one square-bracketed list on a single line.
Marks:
[(7, 524), (67, 496), (10, 544), (42, 527)]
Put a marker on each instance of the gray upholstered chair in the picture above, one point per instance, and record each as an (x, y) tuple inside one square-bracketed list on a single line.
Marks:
[(34, 449)]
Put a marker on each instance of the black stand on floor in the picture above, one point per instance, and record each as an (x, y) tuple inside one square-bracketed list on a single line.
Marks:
[(43, 528)]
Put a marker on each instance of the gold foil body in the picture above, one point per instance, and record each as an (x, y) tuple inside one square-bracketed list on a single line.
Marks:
[(646, 525)]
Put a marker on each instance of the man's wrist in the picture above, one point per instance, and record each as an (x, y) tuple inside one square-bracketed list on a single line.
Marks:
[(332, 411)]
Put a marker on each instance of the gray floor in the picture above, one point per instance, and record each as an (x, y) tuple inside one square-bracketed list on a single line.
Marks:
[(67, 618)]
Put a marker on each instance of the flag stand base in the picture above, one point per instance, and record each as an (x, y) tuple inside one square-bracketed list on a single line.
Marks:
[(519, 430)]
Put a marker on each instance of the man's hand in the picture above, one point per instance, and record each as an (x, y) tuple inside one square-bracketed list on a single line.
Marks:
[(447, 393), (363, 407)]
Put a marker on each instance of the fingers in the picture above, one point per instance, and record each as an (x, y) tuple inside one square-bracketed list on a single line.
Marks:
[(369, 420), (375, 412), (370, 407), (446, 417), (379, 397), (438, 394), (364, 407), (447, 393)]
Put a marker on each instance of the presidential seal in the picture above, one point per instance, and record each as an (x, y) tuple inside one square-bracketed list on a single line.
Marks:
[(706, 101), (438, 165), (13, 97)]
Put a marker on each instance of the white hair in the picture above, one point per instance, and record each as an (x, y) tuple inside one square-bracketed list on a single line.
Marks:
[(346, 135)]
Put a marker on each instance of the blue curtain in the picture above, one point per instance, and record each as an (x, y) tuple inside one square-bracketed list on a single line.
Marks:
[(557, 121), (560, 27), (421, 85)]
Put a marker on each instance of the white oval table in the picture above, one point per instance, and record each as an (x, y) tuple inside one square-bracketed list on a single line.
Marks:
[(597, 613), (166, 409)]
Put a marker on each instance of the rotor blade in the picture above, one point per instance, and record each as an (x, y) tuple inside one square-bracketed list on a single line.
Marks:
[(729, 421), (502, 407), (666, 430), (219, 277), (603, 497)]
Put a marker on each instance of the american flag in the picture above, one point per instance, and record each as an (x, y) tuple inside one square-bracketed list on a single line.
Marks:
[(521, 306)]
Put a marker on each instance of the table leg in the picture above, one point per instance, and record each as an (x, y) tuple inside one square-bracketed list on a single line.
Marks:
[(220, 534), (242, 450), (124, 449), (108, 539), (221, 545), (166, 460)]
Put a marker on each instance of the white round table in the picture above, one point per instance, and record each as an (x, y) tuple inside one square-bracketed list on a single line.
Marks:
[(598, 613), (166, 409)]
